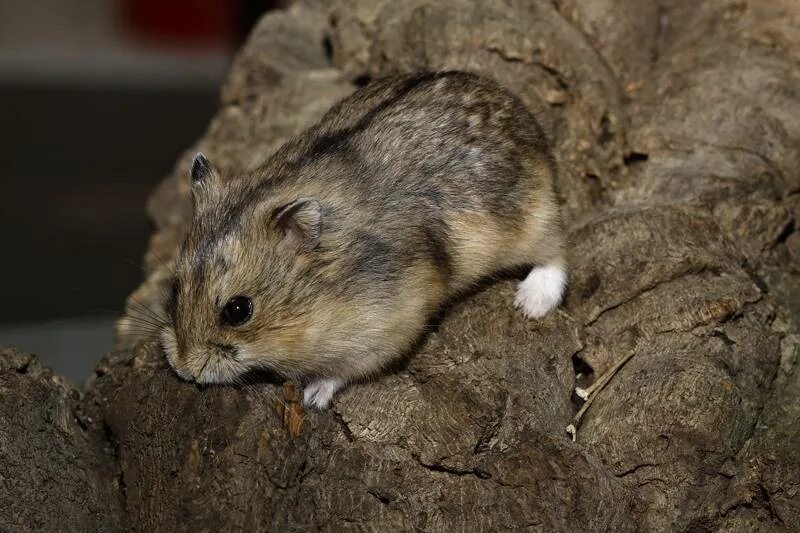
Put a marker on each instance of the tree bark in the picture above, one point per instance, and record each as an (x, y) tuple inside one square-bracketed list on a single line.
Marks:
[(676, 127)]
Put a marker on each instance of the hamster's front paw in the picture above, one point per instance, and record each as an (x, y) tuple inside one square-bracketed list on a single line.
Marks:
[(318, 393), (540, 292)]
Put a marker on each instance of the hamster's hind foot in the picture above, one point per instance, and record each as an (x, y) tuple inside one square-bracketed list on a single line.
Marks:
[(319, 393), (541, 291)]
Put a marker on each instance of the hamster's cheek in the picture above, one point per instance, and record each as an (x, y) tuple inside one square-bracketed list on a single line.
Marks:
[(169, 342), (247, 356), (218, 371), (170, 346), (260, 357)]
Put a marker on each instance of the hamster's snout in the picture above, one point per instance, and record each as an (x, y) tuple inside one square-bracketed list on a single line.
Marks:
[(196, 366), (179, 358), (179, 369), (205, 363)]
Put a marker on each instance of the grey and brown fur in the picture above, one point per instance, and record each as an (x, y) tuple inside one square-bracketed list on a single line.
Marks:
[(355, 232)]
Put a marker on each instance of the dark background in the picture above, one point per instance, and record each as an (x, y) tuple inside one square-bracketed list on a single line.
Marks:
[(97, 99)]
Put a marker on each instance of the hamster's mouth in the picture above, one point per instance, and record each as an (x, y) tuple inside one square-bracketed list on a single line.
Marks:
[(213, 371), (182, 373), (220, 370)]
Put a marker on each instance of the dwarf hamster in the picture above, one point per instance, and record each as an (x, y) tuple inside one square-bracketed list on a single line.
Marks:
[(326, 263)]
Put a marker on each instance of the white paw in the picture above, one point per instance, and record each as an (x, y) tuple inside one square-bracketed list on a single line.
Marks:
[(540, 292), (318, 393)]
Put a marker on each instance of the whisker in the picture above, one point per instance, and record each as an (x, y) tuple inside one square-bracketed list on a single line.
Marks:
[(137, 320), (139, 330), (136, 333), (141, 321), (134, 337), (147, 311), (145, 307)]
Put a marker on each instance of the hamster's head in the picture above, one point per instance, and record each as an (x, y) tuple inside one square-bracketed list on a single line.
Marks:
[(249, 286)]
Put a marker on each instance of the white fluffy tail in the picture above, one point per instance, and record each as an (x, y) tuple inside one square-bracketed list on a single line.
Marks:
[(541, 291)]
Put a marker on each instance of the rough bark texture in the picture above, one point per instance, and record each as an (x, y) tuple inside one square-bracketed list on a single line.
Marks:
[(55, 473), (676, 125)]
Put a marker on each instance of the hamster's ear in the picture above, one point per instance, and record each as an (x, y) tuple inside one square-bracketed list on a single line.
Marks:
[(204, 178), (300, 223)]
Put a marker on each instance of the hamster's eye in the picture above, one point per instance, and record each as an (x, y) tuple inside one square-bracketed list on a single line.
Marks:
[(237, 311)]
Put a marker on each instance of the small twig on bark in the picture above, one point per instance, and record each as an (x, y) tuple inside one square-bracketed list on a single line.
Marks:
[(588, 394)]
